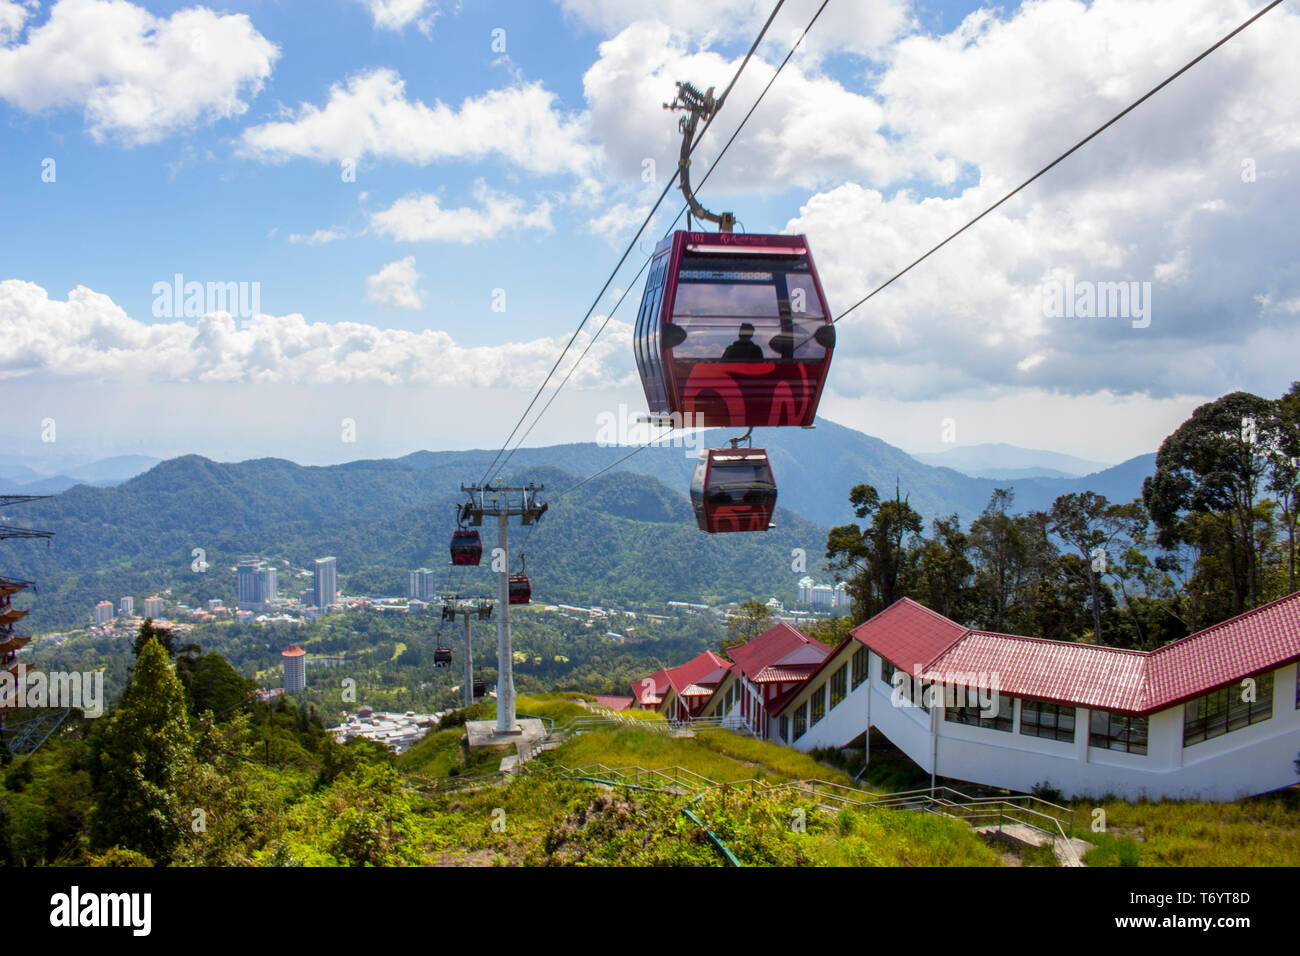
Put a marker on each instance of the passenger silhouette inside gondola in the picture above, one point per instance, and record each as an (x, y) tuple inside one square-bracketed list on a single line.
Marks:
[(743, 349)]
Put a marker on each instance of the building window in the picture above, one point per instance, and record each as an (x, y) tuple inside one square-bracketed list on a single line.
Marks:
[(800, 721), (1118, 732), (818, 703), (860, 667), (887, 672), (838, 681), (1002, 705), (785, 728), (1224, 710), (1041, 719)]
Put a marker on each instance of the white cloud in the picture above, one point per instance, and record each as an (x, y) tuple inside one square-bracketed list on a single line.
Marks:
[(397, 15), (860, 26), (1158, 198), (371, 116), (810, 130), (320, 237), (90, 338), (394, 286), (136, 76), (421, 217), (12, 17)]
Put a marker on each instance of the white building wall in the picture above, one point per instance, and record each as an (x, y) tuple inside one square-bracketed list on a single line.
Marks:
[(1251, 760)]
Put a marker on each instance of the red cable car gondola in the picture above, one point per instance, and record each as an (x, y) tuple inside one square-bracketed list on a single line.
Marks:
[(733, 490), (466, 547), (733, 330), (480, 688), (442, 656), (520, 590)]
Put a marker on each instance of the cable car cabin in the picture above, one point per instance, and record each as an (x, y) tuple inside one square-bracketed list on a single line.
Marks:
[(733, 330), (442, 657), (520, 590), (733, 490), (466, 547), (480, 689)]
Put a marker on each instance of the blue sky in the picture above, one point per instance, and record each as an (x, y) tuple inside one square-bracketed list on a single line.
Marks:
[(211, 142)]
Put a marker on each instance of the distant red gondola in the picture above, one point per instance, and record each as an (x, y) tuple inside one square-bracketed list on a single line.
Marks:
[(520, 590), (480, 688), (442, 657), (733, 490), (466, 547), (733, 330)]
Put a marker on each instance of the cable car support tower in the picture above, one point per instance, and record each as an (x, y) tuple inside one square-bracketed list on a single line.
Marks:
[(503, 503)]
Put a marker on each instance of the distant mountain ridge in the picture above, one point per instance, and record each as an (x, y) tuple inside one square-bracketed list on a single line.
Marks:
[(1001, 460)]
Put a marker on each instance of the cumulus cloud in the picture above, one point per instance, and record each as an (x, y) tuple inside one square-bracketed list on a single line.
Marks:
[(1160, 198), (421, 217), (810, 130), (397, 15), (370, 116), (394, 286), (136, 76), (862, 27), (12, 17), (90, 338)]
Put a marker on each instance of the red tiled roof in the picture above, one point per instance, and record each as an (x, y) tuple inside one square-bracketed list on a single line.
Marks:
[(1140, 682), (703, 669), (778, 674), (1086, 675), (614, 703), (909, 634), (779, 644), (1245, 645)]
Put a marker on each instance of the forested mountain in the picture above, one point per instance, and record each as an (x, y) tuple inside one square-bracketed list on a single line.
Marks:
[(621, 539)]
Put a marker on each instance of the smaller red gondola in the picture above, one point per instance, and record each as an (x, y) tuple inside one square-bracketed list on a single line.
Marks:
[(442, 657), (480, 689), (521, 591), (466, 547), (733, 489)]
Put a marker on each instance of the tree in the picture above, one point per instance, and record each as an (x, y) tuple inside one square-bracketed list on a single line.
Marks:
[(751, 620), (1092, 526), (1284, 462), (163, 635), (1217, 464), (944, 569), (875, 554), (996, 540), (140, 757)]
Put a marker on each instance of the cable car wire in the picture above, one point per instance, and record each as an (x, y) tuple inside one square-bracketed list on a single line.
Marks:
[(631, 245), (1100, 129), (709, 172)]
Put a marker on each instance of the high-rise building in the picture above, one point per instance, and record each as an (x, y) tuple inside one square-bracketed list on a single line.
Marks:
[(326, 591), (103, 613), (258, 585), (295, 669), (153, 607), (126, 606), (269, 584), (805, 590), (823, 597), (420, 584), (841, 595)]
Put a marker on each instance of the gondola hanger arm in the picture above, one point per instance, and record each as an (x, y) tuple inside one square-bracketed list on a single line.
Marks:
[(698, 106)]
